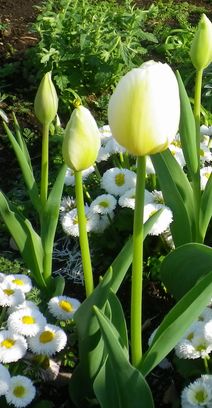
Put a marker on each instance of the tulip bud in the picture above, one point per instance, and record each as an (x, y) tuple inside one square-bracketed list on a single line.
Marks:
[(201, 47), (144, 109), (81, 141), (46, 101)]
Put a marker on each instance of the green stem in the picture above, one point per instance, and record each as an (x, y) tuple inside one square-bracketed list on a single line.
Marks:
[(137, 265), (2, 315), (44, 165), (196, 177), (205, 359), (83, 237)]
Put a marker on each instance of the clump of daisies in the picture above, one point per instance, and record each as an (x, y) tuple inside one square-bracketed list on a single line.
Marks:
[(26, 331), (198, 394)]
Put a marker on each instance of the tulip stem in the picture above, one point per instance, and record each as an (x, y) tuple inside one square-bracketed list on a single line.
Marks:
[(83, 237), (44, 165), (196, 176), (137, 265)]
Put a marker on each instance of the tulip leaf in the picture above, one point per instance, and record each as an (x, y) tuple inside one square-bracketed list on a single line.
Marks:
[(186, 264), (119, 384), (26, 169), (50, 215), (26, 239), (206, 207), (91, 348), (21, 141), (187, 130), (177, 194), (177, 321), (116, 316)]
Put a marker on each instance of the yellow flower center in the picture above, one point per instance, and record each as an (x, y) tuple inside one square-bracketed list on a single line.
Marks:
[(28, 320), (190, 336), (104, 204), (120, 179), (19, 391), (202, 153), (8, 292), (201, 396), (18, 282), (201, 347), (66, 306), (8, 343), (46, 336)]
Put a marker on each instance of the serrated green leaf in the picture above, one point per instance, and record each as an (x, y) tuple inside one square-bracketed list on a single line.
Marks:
[(186, 264), (118, 383)]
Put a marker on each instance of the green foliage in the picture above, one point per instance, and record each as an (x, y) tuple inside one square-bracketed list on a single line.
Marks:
[(89, 45)]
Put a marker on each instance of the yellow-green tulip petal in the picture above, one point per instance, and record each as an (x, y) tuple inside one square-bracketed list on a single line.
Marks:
[(46, 100), (144, 109), (201, 47), (81, 141)]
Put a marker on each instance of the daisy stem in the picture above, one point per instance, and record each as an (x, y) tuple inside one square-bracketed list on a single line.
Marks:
[(196, 176), (97, 172), (83, 236), (44, 165), (2, 315), (206, 365), (137, 265)]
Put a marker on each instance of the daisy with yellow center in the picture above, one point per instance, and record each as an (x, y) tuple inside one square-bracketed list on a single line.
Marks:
[(48, 341), (9, 295), (103, 204), (21, 391), (19, 281), (28, 321), (12, 346), (4, 379), (63, 307), (117, 181)]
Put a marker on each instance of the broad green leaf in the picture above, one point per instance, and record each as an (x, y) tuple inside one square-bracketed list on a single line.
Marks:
[(206, 207), (49, 219), (118, 319), (28, 176), (21, 141), (186, 264), (187, 130), (118, 383), (91, 348), (26, 239), (176, 322), (177, 194)]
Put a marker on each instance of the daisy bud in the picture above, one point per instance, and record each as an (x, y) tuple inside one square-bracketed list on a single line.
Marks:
[(144, 109), (81, 141), (201, 47), (46, 101)]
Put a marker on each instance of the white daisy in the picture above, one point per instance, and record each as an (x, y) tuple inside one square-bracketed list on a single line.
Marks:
[(10, 296), (4, 380), (205, 315), (70, 178), (178, 154), (70, 225), (50, 340), (163, 221), (12, 346), (67, 204), (103, 222), (28, 321), (206, 130), (21, 391), (117, 181), (197, 394), (113, 147), (128, 199), (149, 166), (205, 153), (103, 204), (184, 348), (24, 305), (19, 281), (2, 277), (105, 133), (103, 155), (205, 173), (63, 307)]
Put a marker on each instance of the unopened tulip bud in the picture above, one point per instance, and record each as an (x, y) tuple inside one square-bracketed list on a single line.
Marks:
[(144, 109), (46, 100), (201, 47), (81, 140)]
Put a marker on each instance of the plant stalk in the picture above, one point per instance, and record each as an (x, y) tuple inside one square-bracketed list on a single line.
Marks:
[(83, 237), (196, 177), (137, 265), (44, 165)]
